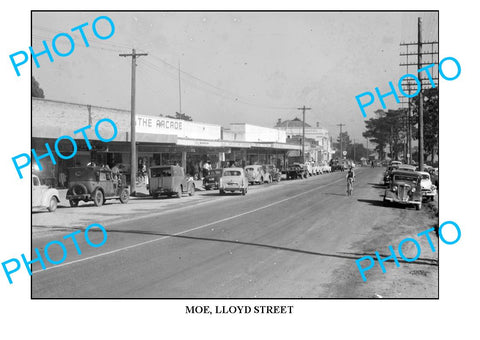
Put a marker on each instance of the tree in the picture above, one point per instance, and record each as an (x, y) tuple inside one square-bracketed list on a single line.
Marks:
[(182, 116), (345, 144), (387, 129), (37, 92), (430, 121)]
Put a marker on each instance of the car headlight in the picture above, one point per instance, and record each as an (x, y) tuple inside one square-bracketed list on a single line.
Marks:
[(413, 189), (394, 188)]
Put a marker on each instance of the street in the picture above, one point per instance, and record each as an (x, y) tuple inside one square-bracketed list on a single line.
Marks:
[(293, 239)]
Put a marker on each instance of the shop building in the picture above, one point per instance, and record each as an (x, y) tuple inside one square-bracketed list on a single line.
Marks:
[(160, 141), (319, 148)]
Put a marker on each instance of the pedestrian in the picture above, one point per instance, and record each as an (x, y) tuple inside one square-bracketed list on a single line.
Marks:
[(350, 179), (206, 168), (62, 179)]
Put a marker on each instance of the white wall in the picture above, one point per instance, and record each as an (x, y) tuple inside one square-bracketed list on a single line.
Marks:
[(254, 133)]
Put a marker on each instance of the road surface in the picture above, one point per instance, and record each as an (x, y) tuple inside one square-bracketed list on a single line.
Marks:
[(294, 239)]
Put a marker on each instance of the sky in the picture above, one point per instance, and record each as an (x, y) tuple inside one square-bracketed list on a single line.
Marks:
[(252, 67)]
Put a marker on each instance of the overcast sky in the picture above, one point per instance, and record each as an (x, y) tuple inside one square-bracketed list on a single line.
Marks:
[(236, 66)]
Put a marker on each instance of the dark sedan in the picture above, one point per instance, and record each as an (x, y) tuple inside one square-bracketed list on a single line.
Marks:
[(212, 179)]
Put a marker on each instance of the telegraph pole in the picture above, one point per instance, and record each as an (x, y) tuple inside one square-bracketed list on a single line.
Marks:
[(303, 129), (425, 83), (179, 89), (133, 160), (354, 150), (341, 140), (420, 97)]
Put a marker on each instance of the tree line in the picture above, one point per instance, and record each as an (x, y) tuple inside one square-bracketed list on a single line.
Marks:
[(388, 130)]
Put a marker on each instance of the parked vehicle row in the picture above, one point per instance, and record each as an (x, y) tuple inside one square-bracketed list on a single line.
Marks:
[(406, 185), (99, 184)]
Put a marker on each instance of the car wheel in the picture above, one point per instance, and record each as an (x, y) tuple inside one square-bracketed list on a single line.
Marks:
[(73, 203), (179, 192), (52, 205), (124, 196), (418, 206), (98, 197), (191, 191)]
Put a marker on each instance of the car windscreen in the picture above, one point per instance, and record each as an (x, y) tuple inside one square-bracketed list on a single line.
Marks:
[(404, 178), (161, 172), (425, 177), (232, 173), (249, 169)]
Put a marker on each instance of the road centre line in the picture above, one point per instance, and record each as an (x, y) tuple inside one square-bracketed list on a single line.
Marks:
[(189, 230)]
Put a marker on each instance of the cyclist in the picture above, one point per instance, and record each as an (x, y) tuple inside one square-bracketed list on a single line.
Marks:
[(350, 179)]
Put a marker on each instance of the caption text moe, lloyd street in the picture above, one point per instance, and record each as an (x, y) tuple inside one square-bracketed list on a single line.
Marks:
[(239, 309)]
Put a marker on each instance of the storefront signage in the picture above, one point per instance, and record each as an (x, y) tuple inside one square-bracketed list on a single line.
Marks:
[(177, 127)]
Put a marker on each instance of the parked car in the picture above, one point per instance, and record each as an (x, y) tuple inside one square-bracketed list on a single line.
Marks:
[(169, 180), (325, 168), (257, 174), (395, 163), (434, 175), (44, 196), (97, 184), (212, 179), (429, 190), (233, 179), (317, 169), (406, 167), (388, 173), (297, 170), (405, 188), (274, 172), (310, 168)]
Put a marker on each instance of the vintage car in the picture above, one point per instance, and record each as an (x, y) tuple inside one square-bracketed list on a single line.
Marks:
[(297, 170), (97, 184), (388, 173), (317, 169), (406, 167), (429, 190), (310, 168), (325, 168), (233, 179), (275, 173), (257, 174), (212, 179), (434, 175), (169, 180), (44, 196), (405, 188)]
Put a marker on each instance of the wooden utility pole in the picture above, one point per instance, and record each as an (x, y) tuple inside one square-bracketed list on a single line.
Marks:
[(354, 150), (303, 129), (133, 160), (420, 98), (341, 140), (431, 52), (179, 89)]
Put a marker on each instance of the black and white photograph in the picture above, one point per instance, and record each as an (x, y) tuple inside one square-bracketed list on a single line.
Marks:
[(225, 154), (238, 170)]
